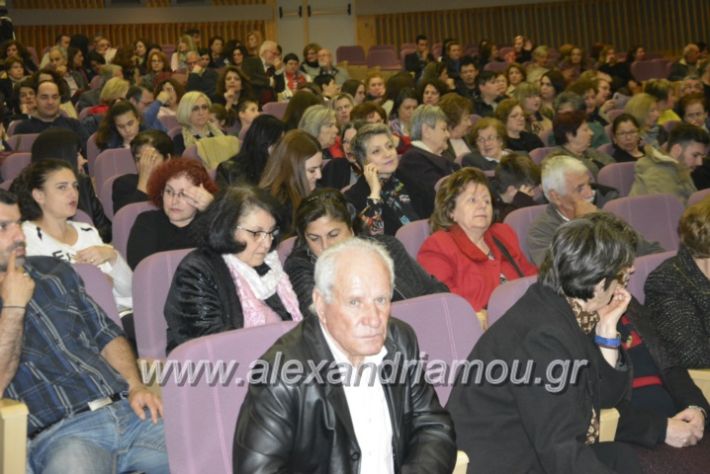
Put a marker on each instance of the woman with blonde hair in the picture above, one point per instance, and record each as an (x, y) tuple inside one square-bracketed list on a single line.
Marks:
[(185, 44), (528, 95), (644, 108), (193, 114), (254, 40)]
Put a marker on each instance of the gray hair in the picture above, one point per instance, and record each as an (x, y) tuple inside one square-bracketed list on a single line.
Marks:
[(427, 115), (266, 45), (61, 51), (327, 264), (314, 117), (569, 98), (555, 170), (358, 147), (525, 90)]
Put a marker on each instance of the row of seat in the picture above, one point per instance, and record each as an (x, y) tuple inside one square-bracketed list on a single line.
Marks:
[(655, 217)]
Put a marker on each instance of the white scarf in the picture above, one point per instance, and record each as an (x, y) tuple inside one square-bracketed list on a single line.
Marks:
[(262, 286)]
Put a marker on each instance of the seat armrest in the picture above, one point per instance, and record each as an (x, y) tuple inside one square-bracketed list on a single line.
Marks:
[(13, 436)]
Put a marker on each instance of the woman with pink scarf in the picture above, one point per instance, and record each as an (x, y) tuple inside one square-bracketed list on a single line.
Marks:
[(234, 278)]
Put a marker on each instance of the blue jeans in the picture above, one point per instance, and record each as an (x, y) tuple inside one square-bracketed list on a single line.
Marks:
[(109, 440)]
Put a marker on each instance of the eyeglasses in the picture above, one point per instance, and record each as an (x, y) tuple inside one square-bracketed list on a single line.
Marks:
[(169, 193), (197, 108), (481, 140), (627, 134), (261, 235)]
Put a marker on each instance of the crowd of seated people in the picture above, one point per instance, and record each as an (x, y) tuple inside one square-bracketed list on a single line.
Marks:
[(448, 144)]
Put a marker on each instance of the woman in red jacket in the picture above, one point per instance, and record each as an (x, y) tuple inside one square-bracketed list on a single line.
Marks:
[(467, 253)]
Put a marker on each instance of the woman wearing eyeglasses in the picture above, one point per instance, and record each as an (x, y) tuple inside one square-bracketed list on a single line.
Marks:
[(489, 135), (234, 278), (193, 113), (180, 188), (626, 137)]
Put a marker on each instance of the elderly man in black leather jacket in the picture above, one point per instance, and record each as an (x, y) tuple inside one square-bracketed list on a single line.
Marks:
[(318, 423)]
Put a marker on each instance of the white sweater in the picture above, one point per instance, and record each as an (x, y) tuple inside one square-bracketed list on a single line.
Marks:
[(41, 243)]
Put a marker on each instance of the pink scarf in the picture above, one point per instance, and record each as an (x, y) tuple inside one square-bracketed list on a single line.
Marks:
[(256, 312)]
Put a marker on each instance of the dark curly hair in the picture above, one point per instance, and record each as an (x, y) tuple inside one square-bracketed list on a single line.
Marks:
[(33, 177)]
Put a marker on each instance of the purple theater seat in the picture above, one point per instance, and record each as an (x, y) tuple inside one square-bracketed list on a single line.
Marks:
[(506, 295), (276, 109), (539, 154), (13, 165), (496, 66), (384, 58), (521, 220), (173, 132), (100, 288), (169, 121), (643, 267), (413, 235), (354, 55), (22, 142), (112, 162), (619, 176), (106, 195), (655, 217), (698, 196), (285, 248), (92, 153), (607, 148), (200, 418), (151, 282), (123, 221), (82, 216), (645, 70), (447, 329)]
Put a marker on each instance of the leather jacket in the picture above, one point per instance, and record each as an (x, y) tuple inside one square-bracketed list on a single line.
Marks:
[(89, 203), (306, 426)]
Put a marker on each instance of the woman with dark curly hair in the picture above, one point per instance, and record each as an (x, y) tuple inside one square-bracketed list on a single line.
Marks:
[(180, 188), (119, 126), (233, 88), (234, 278)]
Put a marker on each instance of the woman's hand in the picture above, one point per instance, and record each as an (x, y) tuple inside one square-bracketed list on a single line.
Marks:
[(148, 161), (229, 98), (373, 180), (610, 314), (97, 255), (198, 197)]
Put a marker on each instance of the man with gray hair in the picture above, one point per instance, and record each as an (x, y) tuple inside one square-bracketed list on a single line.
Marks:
[(266, 72), (342, 414), (566, 183)]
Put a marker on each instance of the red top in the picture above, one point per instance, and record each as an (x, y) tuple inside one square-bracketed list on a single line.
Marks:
[(451, 257)]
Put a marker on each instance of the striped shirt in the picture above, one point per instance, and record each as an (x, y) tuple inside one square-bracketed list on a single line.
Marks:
[(61, 368)]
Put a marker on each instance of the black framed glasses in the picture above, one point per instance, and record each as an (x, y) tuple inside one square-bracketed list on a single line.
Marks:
[(261, 235)]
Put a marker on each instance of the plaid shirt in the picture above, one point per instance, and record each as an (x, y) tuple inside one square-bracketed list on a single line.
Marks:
[(61, 368)]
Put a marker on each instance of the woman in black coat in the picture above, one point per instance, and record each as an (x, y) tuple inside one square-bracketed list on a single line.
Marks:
[(234, 278), (548, 420)]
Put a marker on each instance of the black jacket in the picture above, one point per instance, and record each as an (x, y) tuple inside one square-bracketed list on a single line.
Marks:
[(647, 427), (89, 203), (203, 299), (678, 298), (306, 426), (541, 425), (420, 170), (410, 279)]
